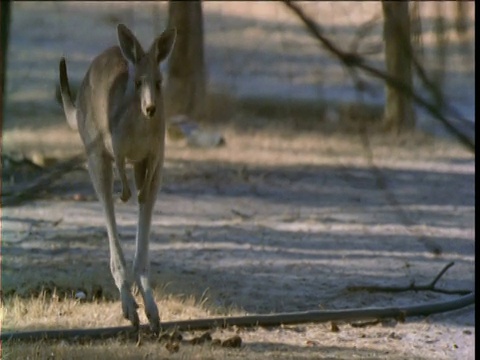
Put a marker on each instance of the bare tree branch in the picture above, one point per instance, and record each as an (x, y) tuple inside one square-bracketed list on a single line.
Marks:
[(412, 287), (350, 59), (40, 184)]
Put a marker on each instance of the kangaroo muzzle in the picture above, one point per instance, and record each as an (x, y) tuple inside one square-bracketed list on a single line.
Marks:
[(148, 102)]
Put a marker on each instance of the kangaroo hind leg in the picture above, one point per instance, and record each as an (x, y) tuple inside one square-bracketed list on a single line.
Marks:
[(101, 174)]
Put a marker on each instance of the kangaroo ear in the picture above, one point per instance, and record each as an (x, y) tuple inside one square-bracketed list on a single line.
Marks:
[(162, 45), (131, 48)]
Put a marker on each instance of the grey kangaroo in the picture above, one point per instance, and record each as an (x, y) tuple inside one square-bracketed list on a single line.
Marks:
[(120, 117)]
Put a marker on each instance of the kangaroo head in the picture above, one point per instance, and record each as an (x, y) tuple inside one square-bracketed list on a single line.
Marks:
[(147, 78)]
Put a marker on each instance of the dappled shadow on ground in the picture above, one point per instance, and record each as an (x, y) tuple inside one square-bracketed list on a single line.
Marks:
[(261, 238)]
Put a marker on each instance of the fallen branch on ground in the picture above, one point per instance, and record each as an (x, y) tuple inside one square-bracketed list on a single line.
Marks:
[(31, 190), (255, 320), (293, 318), (412, 286)]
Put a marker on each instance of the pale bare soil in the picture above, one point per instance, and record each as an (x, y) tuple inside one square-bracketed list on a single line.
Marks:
[(274, 221)]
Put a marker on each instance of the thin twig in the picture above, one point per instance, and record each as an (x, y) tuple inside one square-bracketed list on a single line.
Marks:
[(440, 274), (412, 286)]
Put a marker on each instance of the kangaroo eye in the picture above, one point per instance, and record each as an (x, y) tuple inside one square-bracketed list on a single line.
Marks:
[(138, 83)]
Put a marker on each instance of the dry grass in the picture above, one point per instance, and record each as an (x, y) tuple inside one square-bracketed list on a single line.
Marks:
[(289, 342), (49, 311), (45, 312)]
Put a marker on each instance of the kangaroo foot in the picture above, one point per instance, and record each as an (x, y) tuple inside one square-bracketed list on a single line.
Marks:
[(129, 307)]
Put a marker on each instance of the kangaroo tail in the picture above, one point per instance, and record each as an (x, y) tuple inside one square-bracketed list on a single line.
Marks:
[(68, 105)]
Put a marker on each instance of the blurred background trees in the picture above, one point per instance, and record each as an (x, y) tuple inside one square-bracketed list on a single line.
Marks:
[(4, 27), (187, 80), (257, 58), (399, 57), (399, 113), (186, 87)]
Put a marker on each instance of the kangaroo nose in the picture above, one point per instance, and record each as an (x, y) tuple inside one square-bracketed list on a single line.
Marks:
[(151, 110)]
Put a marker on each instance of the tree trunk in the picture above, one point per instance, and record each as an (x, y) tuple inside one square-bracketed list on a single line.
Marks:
[(441, 53), (186, 84), (399, 114), (4, 27)]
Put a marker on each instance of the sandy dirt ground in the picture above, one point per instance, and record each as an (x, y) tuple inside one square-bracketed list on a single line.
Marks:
[(277, 220)]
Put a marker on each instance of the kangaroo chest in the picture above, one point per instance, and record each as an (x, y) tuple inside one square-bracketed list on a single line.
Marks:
[(138, 141)]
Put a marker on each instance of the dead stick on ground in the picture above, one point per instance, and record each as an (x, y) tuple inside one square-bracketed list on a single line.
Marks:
[(293, 318), (253, 321), (412, 286), (43, 182)]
